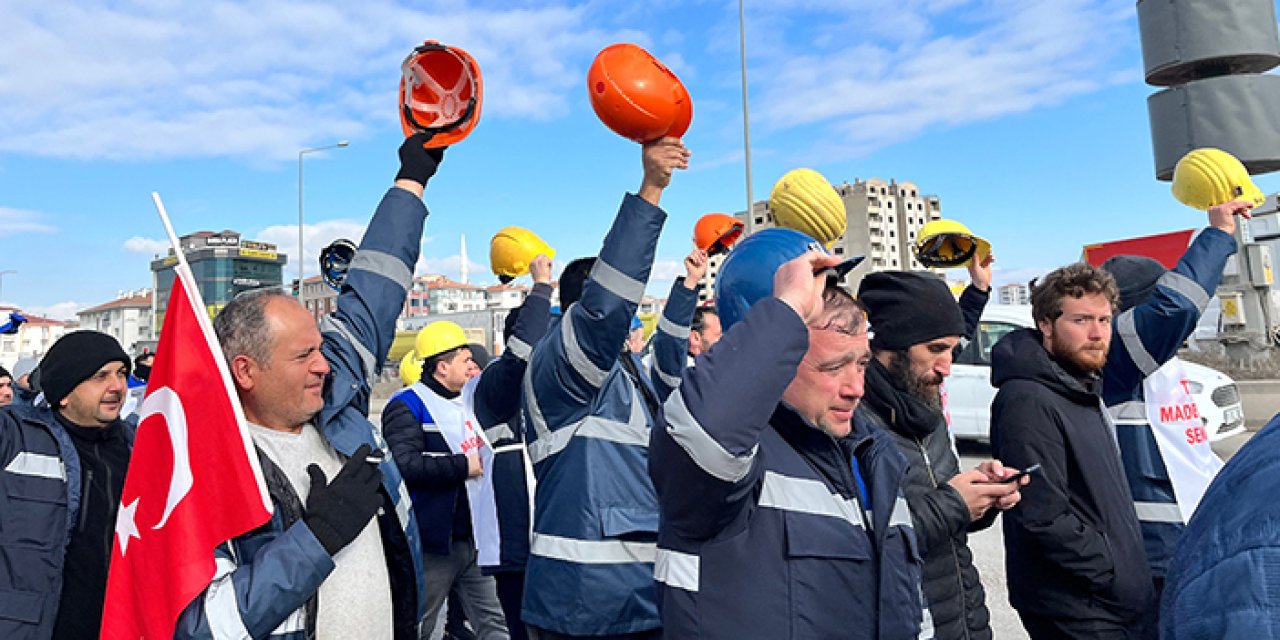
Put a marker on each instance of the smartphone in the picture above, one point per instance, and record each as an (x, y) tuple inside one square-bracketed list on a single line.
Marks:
[(1018, 476)]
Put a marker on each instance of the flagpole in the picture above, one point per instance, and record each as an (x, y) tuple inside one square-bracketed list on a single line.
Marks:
[(183, 271)]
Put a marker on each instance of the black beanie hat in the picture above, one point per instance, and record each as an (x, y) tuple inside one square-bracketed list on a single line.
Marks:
[(1136, 277), (908, 308), (73, 359)]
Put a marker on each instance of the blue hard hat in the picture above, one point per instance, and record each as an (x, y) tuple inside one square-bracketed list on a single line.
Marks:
[(636, 323), (747, 274)]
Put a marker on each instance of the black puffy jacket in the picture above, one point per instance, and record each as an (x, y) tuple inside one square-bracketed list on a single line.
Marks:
[(1073, 545), (952, 588)]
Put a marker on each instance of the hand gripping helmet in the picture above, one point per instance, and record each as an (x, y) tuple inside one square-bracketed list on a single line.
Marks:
[(637, 96), (410, 368), (803, 200), (512, 250), (716, 232), (441, 92), (746, 276), (947, 243), (335, 260), (1208, 177), (439, 337)]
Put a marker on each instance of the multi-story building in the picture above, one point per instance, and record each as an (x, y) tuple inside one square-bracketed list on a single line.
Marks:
[(127, 318), (1014, 293), (449, 296), (318, 297), (33, 339), (223, 265), (505, 296), (883, 220)]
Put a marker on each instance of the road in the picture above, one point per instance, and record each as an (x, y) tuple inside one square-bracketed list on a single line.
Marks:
[(988, 546)]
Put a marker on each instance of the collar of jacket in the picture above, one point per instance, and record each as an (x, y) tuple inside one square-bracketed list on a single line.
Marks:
[(822, 451), (1021, 354), (903, 412), (434, 385)]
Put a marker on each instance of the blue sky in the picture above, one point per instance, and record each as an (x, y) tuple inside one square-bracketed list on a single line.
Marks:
[(1027, 118)]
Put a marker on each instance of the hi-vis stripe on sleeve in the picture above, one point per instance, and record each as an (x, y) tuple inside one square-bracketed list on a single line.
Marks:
[(1190, 289), (220, 606), (666, 325), (1128, 331), (592, 551), (617, 282), (701, 447), (1158, 512), (802, 495), (37, 465), (676, 569), (383, 264), (578, 358), (633, 432), (668, 379), (330, 323), (519, 348)]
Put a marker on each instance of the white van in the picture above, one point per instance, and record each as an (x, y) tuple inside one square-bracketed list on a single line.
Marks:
[(969, 390)]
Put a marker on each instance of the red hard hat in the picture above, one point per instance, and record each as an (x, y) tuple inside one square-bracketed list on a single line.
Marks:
[(445, 93), (716, 232), (637, 96)]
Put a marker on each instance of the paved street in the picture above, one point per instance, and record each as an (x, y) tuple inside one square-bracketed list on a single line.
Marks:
[(988, 546)]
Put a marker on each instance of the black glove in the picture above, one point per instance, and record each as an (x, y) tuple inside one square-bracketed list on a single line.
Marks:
[(416, 162), (338, 511)]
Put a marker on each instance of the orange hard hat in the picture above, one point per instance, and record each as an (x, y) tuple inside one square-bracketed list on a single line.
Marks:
[(637, 96), (444, 95), (716, 232)]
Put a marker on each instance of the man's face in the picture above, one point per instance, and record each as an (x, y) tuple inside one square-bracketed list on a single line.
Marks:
[(923, 369), (828, 383), (1081, 336), (96, 401), (454, 373), (700, 341), (6, 391), (288, 390), (635, 341), (473, 368)]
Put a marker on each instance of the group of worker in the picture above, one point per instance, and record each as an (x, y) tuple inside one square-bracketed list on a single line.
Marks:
[(779, 467)]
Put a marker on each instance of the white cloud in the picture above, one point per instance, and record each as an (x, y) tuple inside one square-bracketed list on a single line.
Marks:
[(146, 246), (58, 310), (314, 238), (258, 80), (15, 221), (903, 78)]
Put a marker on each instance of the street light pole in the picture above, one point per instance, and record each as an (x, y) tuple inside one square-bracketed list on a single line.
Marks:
[(2, 275), (301, 273)]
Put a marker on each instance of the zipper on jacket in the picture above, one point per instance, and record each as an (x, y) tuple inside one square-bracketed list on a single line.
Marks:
[(955, 555), (84, 500)]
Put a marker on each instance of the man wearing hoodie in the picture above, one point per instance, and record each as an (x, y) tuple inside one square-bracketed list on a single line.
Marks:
[(917, 326), (25, 391), (1073, 549)]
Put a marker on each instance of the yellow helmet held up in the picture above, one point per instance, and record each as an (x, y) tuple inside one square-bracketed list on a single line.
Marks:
[(410, 368), (1208, 177), (439, 337), (947, 243), (803, 200), (512, 249)]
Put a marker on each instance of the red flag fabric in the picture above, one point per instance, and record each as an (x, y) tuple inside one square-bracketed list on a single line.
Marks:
[(193, 482)]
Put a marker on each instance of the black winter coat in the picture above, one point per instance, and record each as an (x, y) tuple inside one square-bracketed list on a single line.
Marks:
[(1073, 545), (952, 588)]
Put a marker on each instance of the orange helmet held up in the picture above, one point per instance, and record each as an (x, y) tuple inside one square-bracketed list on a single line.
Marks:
[(441, 92), (716, 232), (637, 96)]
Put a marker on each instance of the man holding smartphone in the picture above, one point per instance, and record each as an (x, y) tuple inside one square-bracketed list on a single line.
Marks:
[(916, 326)]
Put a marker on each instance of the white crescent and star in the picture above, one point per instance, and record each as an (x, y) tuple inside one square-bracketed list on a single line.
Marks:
[(166, 402)]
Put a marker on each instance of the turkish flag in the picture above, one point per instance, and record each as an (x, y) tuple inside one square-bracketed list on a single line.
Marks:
[(193, 482)]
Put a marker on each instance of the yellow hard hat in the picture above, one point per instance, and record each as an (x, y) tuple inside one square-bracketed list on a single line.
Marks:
[(410, 368), (1208, 177), (439, 337), (803, 200), (947, 243), (512, 249)]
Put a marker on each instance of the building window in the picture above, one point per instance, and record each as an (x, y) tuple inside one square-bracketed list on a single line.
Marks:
[(891, 234), (839, 251)]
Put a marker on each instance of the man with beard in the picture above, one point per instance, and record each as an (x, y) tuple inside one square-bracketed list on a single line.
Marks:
[(917, 325), (1073, 551)]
